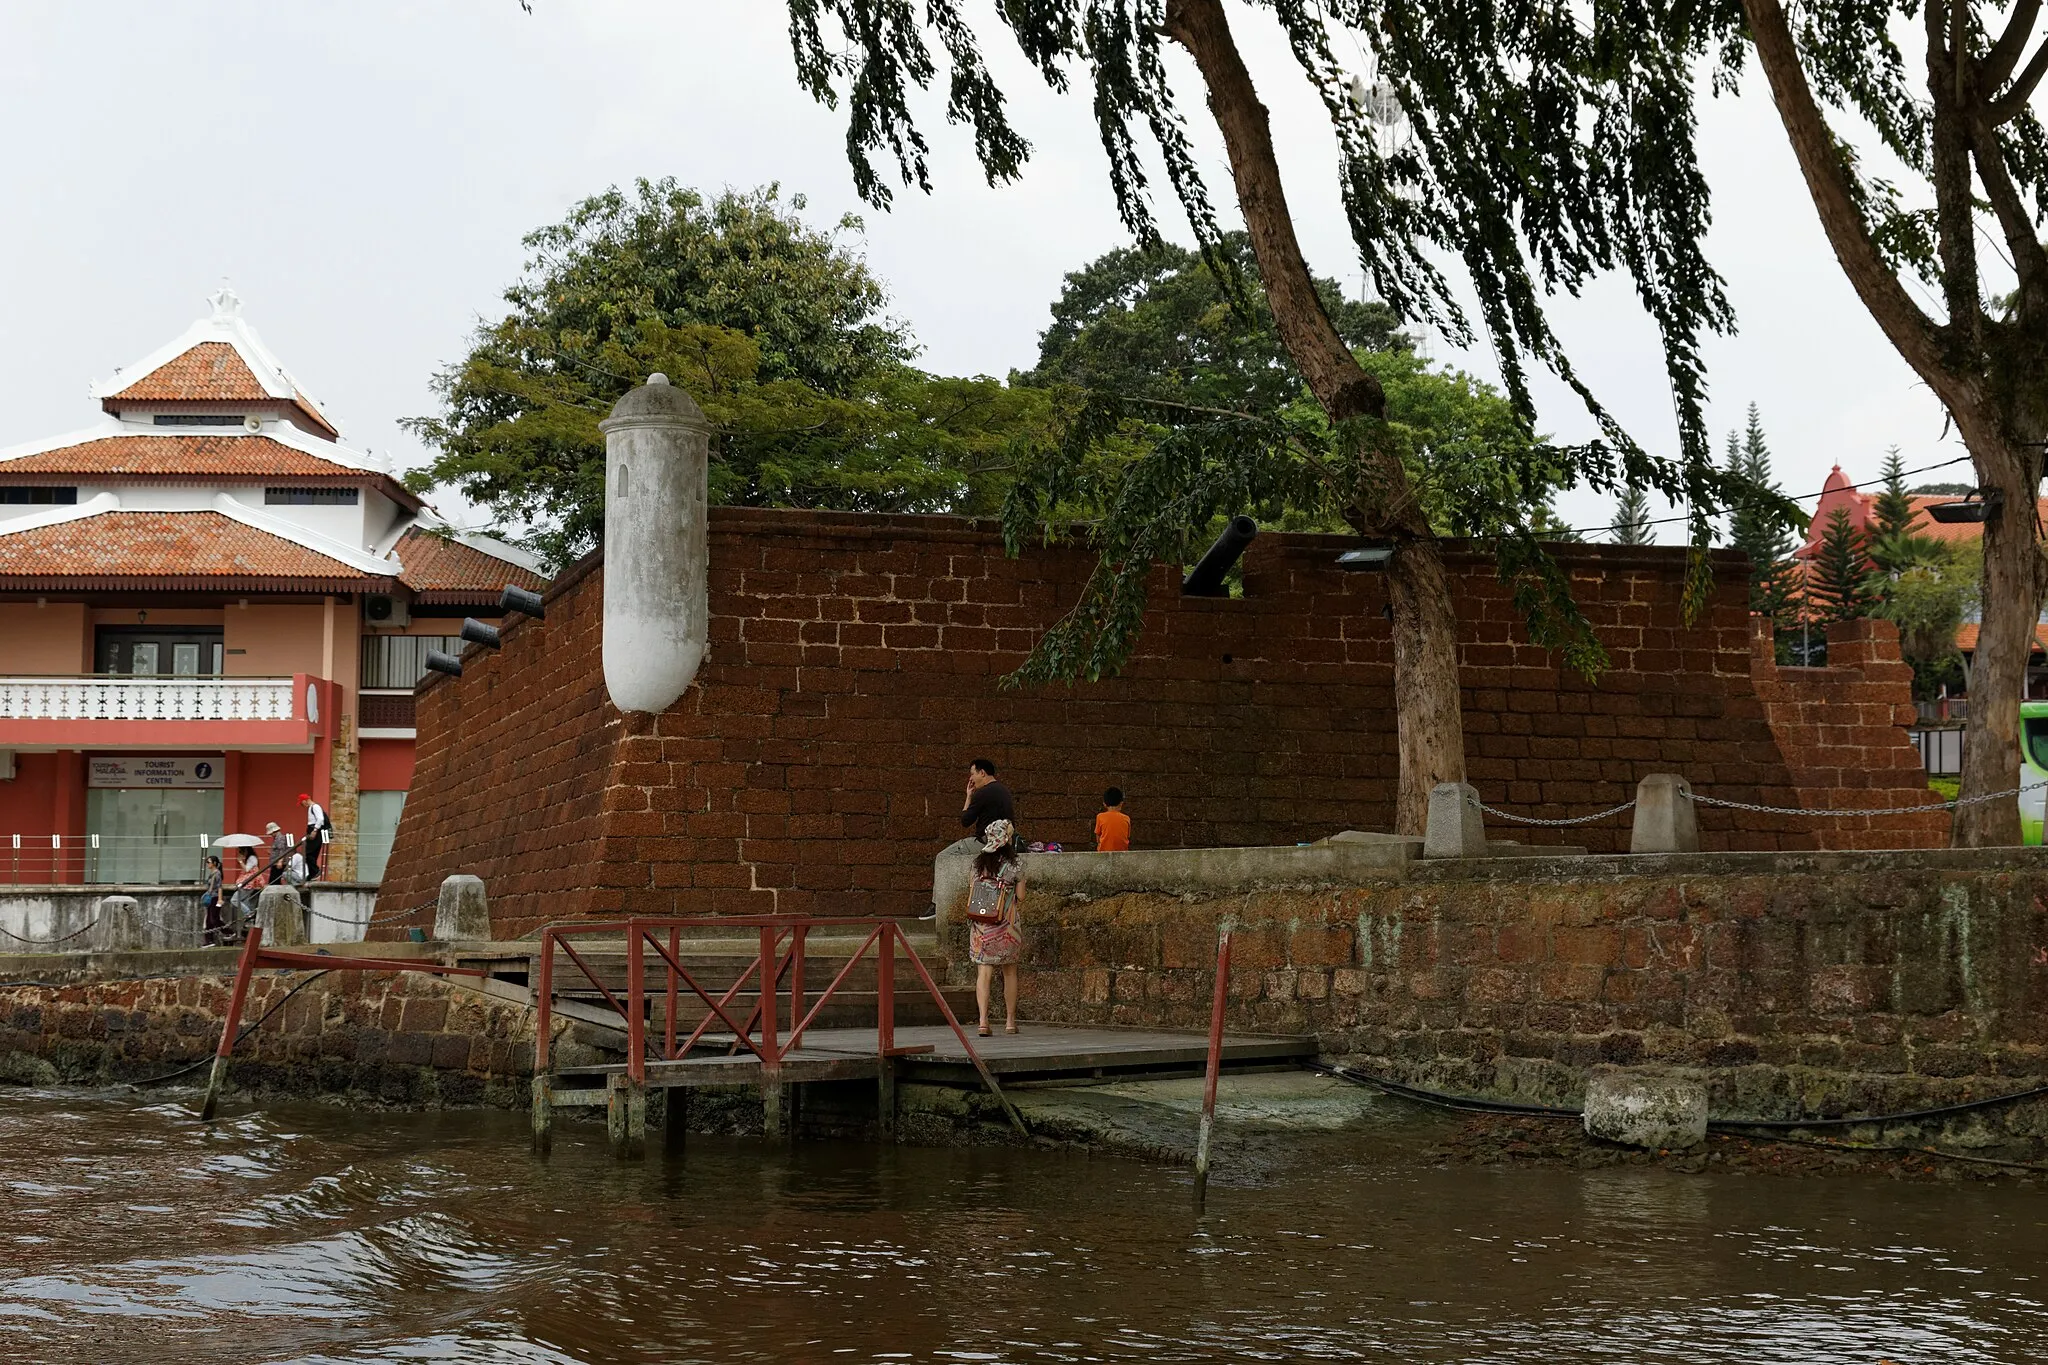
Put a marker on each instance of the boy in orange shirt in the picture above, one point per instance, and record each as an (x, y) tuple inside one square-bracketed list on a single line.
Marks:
[(1112, 826)]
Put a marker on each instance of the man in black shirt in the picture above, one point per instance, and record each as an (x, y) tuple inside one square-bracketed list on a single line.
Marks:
[(987, 799)]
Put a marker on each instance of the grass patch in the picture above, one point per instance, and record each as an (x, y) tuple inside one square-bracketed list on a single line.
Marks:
[(1945, 787)]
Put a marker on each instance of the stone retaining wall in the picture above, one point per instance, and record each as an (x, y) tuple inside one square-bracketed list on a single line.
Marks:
[(1830, 983), (398, 1038)]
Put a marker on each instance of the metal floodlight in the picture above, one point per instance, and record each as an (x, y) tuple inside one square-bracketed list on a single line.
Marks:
[(1976, 506), (477, 633), (1370, 557), (1206, 578), (522, 601), (437, 662)]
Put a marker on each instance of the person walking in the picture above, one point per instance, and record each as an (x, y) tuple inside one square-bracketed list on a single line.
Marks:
[(281, 846), (987, 799), (318, 827), (209, 901), (994, 910)]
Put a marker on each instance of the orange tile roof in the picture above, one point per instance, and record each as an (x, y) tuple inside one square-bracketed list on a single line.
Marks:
[(143, 456), (441, 567), (212, 371), (1966, 637), (198, 549)]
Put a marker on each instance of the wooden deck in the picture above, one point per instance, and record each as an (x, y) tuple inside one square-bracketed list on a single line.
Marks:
[(1039, 1052)]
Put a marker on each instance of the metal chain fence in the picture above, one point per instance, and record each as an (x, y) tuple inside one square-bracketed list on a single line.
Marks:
[(1572, 820)]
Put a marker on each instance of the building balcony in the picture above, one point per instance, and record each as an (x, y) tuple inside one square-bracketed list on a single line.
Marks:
[(160, 712)]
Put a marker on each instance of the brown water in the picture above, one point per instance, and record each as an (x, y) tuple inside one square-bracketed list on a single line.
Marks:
[(313, 1233)]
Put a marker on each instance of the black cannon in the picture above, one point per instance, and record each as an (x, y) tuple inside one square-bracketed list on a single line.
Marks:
[(1206, 578)]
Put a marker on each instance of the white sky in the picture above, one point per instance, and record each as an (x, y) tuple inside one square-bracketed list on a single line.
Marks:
[(363, 174)]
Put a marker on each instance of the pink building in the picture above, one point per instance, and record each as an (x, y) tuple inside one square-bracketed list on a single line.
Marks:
[(209, 604)]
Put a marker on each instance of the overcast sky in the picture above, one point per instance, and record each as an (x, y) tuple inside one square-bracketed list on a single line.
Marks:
[(363, 174)]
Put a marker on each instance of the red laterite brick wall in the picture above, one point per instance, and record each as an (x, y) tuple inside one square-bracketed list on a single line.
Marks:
[(857, 663)]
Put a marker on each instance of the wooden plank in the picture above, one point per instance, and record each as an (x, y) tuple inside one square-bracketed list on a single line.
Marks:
[(741, 1070)]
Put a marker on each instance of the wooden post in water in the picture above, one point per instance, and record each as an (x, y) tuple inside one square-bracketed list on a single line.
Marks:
[(543, 1021), (1215, 1067), (219, 1074), (885, 1031)]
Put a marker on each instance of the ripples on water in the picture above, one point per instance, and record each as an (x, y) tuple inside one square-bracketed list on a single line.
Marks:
[(318, 1234)]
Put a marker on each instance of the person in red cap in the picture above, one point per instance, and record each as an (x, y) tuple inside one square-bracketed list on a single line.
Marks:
[(318, 827)]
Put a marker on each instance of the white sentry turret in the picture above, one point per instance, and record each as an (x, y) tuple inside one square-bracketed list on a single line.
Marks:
[(657, 605)]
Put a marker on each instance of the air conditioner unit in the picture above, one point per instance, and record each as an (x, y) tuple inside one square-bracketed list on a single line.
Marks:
[(381, 609), (6, 765)]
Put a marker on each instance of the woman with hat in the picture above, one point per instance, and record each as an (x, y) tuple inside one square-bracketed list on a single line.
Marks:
[(993, 904)]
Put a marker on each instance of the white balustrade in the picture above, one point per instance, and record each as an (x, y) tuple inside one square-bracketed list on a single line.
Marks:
[(146, 698)]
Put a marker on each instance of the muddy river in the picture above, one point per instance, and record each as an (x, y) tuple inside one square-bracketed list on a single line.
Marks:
[(318, 1233)]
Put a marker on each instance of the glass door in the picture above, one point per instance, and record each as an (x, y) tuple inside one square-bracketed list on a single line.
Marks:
[(149, 836)]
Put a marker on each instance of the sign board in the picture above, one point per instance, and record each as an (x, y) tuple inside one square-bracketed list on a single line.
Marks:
[(140, 770)]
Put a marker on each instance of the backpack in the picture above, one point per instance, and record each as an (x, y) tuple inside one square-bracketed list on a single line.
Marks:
[(326, 821)]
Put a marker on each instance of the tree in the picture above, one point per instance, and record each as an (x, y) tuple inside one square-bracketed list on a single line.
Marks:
[(1756, 532), (1961, 122), (1540, 152), (1162, 322), (776, 329), (1841, 570), (1895, 546), (1929, 601), (1177, 343), (1632, 519)]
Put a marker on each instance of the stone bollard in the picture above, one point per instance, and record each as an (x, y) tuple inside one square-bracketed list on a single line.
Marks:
[(1665, 818), (462, 911), (120, 924), (281, 916), (1456, 829), (1646, 1107)]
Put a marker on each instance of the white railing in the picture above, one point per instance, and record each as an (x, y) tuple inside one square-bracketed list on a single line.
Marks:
[(158, 698)]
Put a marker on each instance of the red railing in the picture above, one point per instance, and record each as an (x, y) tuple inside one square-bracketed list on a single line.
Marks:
[(255, 957), (781, 956)]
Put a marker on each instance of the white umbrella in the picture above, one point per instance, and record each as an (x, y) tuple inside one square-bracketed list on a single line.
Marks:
[(239, 841)]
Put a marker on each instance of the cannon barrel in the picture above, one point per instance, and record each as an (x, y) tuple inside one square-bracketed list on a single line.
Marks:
[(1206, 578)]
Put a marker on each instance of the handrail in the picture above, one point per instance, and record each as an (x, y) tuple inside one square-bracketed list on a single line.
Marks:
[(759, 1034)]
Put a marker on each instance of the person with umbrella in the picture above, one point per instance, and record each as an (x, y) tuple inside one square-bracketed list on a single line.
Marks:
[(251, 879)]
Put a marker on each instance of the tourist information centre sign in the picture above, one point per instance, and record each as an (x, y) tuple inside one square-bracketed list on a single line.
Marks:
[(182, 772)]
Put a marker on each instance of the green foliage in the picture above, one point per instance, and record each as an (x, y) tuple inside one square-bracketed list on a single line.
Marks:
[(1632, 519), (1930, 600), (1542, 149), (774, 328), (1841, 570), (1756, 532), (1162, 322)]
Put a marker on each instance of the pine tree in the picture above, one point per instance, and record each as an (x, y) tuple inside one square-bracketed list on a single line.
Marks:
[(1755, 532), (1632, 519), (1841, 578), (1894, 545)]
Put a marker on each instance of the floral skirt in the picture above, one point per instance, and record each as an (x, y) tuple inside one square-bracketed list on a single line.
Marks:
[(995, 945)]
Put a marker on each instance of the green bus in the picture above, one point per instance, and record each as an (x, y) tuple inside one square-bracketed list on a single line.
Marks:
[(2033, 768)]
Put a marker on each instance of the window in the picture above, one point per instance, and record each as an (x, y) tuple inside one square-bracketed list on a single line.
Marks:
[(401, 660), (309, 497), (39, 495), (197, 419), (180, 651)]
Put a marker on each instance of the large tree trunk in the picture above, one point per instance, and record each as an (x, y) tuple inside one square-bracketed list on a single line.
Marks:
[(2013, 581), (1431, 737)]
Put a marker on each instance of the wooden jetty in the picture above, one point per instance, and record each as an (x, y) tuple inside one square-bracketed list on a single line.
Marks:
[(692, 1009)]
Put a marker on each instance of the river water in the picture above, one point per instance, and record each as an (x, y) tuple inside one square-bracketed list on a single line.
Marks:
[(320, 1234)]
